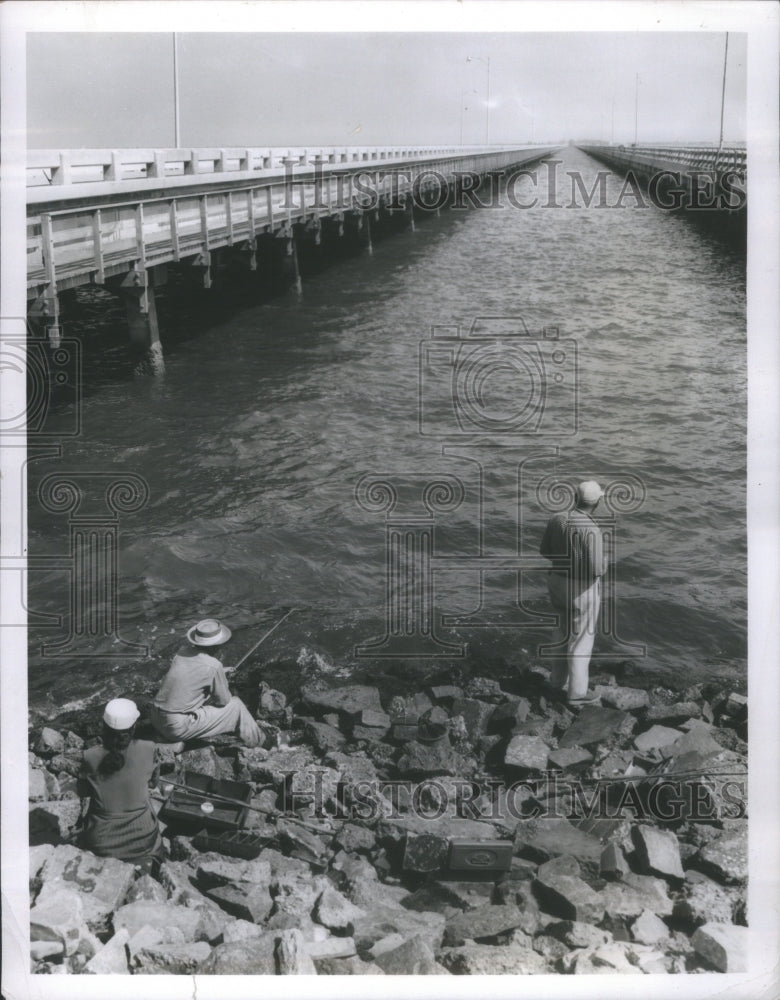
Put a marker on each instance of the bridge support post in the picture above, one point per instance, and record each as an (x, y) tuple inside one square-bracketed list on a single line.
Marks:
[(410, 210), (289, 258), (137, 291)]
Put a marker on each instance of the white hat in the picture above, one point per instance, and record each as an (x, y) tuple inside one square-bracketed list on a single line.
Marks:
[(121, 713), (209, 632), (589, 492)]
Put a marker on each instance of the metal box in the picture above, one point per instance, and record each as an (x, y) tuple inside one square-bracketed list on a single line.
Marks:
[(480, 855), (236, 843), (185, 807)]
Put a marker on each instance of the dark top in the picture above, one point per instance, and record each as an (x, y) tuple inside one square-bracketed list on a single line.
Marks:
[(573, 542)]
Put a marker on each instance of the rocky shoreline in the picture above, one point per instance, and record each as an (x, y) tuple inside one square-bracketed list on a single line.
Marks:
[(479, 828)]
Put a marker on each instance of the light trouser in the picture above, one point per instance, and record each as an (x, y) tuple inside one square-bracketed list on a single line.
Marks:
[(210, 720), (578, 616)]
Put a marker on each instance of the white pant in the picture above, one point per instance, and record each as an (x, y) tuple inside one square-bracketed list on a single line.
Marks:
[(577, 619)]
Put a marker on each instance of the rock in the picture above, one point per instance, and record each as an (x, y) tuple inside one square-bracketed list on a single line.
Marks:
[(336, 912), (656, 738), (504, 717), (723, 946), (331, 948), (383, 920), (543, 728), (699, 739), (614, 957), (291, 956), (490, 960), (475, 715), (134, 916), (45, 949), (527, 753), (241, 930), (420, 761), (346, 967), (425, 852), (301, 843), (577, 934), (568, 897), (368, 734), (280, 764), (703, 901), (484, 922), (203, 760), (595, 725), (36, 786), (270, 702), (449, 897), (148, 936), (60, 918), (550, 947), (404, 734), (50, 742), (446, 692), (368, 892), (146, 888), (657, 851), (649, 929), (613, 864), (634, 894), (395, 830), (68, 763), (545, 838), (347, 701), (725, 858), (373, 719), (111, 959), (625, 698), (215, 871), (737, 706), (675, 714), (569, 759), (253, 957), (485, 688), (102, 883), (564, 864), (352, 837), (412, 958), (243, 900), (323, 736), (296, 894), (171, 959), (53, 822)]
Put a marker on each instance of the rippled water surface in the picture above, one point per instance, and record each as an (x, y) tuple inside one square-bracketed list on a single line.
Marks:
[(272, 410)]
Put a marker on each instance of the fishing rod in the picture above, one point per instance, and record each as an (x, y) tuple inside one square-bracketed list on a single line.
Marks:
[(235, 802), (261, 640)]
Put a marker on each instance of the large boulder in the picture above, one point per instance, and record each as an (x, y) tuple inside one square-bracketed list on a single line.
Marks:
[(102, 883), (725, 858), (134, 916), (171, 959), (381, 921), (111, 959), (723, 946), (658, 852), (484, 922), (292, 959), (544, 838), (595, 725), (251, 957), (634, 894), (347, 701), (53, 822), (492, 960), (59, 917), (413, 957), (568, 897)]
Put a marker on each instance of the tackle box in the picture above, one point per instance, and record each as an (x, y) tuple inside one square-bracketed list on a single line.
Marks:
[(486, 856), (236, 843), (183, 806)]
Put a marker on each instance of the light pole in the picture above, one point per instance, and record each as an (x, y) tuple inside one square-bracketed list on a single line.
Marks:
[(723, 91), (636, 108), (485, 60), (176, 135)]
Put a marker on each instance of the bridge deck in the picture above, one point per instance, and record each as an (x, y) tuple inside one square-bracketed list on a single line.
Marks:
[(158, 207)]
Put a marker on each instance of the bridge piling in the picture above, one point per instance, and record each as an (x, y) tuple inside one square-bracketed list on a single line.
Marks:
[(137, 292)]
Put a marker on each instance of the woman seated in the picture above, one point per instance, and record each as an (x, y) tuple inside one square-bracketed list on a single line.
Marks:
[(114, 784)]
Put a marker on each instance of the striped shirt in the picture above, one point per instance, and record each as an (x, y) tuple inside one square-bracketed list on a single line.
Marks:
[(574, 544)]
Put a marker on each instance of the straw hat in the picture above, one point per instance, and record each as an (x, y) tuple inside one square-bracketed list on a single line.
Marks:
[(208, 632), (589, 492), (121, 713)]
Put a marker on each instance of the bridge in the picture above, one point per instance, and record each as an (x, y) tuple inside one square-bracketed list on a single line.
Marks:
[(117, 218), (707, 180)]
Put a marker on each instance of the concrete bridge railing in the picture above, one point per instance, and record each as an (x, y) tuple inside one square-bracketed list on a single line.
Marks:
[(58, 168), (694, 157)]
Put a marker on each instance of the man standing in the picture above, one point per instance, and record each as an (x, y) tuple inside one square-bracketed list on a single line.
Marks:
[(574, 544), (194, 700)]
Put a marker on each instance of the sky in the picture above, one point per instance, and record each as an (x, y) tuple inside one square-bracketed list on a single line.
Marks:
[(99, 89)]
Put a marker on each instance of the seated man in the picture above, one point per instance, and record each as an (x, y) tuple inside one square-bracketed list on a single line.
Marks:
[(194, 701)]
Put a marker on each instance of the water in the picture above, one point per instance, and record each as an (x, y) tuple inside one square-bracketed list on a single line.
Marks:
[(270, 413)]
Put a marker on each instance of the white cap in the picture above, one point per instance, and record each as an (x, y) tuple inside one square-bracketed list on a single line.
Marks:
[(589, 492), (121, 713)]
